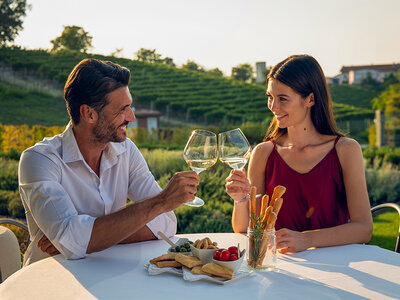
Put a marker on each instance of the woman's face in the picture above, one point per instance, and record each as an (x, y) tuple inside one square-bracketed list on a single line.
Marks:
[(289, 107)]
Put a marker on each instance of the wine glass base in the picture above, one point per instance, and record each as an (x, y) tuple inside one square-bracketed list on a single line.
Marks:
[(197, 202)]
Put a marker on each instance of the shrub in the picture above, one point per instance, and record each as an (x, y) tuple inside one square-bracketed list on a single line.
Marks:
[(6, 197), (383, 183), (15, 207), (8, 174)]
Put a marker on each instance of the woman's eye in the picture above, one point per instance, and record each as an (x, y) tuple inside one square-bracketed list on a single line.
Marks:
[(282, 99)]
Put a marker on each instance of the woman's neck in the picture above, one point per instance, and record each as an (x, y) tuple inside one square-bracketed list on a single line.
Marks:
[(299, 137)]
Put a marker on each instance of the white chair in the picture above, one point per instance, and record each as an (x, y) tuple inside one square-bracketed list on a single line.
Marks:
[(394, 206), (10, 257)]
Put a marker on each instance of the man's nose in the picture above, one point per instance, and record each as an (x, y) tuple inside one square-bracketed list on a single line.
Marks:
[(131, 116)]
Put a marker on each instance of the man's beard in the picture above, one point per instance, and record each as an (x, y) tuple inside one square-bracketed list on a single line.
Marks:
[(105, 132)]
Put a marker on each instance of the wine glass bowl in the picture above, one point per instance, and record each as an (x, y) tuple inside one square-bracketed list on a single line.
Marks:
[(234, 148), (200, 153)]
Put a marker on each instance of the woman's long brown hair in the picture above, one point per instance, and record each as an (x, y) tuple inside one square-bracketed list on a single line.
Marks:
[(304, 75)]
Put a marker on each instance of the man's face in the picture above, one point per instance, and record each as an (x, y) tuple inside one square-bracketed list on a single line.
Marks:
[(113, 118)]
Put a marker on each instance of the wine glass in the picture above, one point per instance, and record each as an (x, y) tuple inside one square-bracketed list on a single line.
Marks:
[(200, 153), (234, 150)]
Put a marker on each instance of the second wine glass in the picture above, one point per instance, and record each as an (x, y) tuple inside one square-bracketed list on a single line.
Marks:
[(200, 153), (234, 148)]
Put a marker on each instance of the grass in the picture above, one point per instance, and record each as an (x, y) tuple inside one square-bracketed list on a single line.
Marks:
[(386, 226), (19, 106)]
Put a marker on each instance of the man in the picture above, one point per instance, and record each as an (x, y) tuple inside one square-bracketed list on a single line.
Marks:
[(74, 186)]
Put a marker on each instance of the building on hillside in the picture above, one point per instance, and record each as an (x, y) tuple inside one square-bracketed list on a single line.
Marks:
[(355, 74), (146, 118), (260, 72)]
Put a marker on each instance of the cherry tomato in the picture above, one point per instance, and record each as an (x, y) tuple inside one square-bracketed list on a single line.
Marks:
[(233, 250), (221, 249), (225, 255), (233, 257), (217, 254)]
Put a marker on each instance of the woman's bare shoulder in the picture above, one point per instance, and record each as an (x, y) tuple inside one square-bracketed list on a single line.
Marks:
[(347, 144), (348, 149), (262, 151)]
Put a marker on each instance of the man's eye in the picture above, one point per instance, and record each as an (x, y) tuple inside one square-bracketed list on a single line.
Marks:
[(282, 99)]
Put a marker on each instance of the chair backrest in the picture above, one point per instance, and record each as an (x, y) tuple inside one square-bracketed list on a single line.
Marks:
[(10, 259), (396, 207), (10, 255)]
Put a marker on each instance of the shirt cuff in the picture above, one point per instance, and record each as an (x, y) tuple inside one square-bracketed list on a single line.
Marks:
[(166, 223)]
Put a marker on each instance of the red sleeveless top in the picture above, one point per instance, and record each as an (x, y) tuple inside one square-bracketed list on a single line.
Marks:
[(313, 200)]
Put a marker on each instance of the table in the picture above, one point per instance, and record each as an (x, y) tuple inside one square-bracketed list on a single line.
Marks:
[(345, 272)]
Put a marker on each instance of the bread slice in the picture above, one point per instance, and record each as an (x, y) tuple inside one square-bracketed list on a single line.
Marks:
[(217, 270), (168, 263), (167, 256), (188, 261)]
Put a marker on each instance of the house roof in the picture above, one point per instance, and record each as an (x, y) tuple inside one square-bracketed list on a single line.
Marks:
[(144, 113), (379, 68)]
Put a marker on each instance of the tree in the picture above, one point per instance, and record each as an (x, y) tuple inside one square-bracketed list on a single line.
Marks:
[(73, 38), (148, 55), (243, 72), (216, 72), (12, 13), (191, 65), (168, 61)]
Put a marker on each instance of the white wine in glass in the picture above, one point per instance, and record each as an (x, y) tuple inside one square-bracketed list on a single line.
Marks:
[(200, 153), (234, 150)]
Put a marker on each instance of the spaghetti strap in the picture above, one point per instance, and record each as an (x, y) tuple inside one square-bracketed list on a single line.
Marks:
[(336, 140)]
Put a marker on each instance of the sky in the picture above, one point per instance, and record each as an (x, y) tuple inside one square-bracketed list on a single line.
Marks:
[(225, 33)]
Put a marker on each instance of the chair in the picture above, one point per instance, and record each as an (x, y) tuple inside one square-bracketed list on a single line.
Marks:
[(394, 206), (10, 255)]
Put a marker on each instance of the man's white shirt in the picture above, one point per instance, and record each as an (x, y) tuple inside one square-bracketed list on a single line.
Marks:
[(63, 196)]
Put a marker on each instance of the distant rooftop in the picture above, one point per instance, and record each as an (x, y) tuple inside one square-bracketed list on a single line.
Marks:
[(380, 68)]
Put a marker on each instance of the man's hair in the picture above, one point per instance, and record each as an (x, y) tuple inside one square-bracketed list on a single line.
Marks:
[(90, 82)]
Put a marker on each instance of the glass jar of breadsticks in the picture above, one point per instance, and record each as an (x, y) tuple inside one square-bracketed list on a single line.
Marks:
[(261, 238)]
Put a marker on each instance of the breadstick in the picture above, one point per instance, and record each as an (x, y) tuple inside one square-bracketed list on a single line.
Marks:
[(271, 221), (264, 205), (267, 213), (277, 205), (279, 190), (253, 192)]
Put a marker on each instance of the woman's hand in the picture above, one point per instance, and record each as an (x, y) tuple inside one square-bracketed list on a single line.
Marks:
[(291, 241), (237, 185)]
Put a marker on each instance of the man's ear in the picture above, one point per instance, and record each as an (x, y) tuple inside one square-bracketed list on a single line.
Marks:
[(310, 100), (88, 114)]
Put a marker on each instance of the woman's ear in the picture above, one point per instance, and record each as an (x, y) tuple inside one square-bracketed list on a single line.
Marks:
[(310, 100), (88, 114)]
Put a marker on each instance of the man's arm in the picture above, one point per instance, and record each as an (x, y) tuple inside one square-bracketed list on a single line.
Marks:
[(143, 234), (116, 227)]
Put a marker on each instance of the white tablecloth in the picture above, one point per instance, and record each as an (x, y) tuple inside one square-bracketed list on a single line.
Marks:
[(346, 272)]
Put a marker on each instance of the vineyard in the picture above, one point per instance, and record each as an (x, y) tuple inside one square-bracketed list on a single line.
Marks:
[(185, 94)]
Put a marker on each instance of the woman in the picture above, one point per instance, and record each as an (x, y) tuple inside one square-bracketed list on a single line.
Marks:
[(326, 201)]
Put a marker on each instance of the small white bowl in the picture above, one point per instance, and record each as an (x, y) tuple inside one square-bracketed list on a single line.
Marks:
[(181, 242), (206, 255), (234, 265)]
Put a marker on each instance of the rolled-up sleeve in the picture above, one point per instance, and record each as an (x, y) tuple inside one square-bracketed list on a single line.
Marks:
[(142, 185), (51, 206)]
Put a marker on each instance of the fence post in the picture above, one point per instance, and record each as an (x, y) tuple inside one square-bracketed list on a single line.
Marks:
[(380, 128)]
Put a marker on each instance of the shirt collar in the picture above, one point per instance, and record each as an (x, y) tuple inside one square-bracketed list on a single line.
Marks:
[(72, 153)]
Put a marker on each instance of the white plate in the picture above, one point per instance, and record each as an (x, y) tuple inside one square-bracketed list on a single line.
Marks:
[(188, 276)]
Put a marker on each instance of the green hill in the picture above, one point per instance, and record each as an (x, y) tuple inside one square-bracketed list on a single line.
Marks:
[(197, 96)]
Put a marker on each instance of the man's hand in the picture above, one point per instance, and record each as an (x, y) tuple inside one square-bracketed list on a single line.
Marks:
[(180, 189), (46, 246)]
